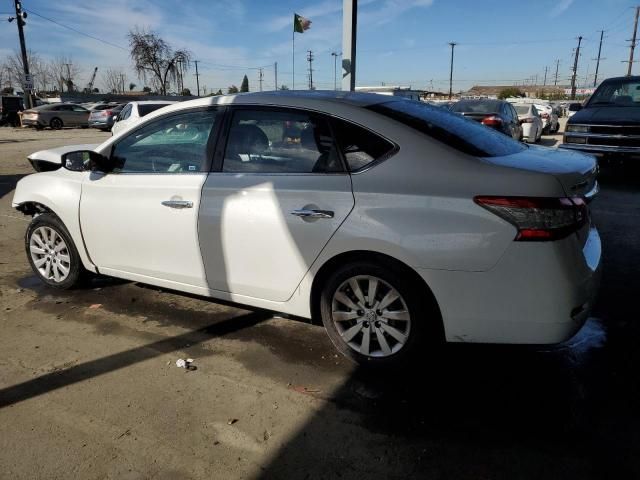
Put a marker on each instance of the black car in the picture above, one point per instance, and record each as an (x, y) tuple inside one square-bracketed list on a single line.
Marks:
[(10, 105), (609, 122), (497, 114)]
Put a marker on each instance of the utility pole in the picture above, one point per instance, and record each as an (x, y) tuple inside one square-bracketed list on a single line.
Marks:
[(595, 78), (349, 31), (544, 84), (260, 75), (453, 45), (197, 77), (310, 60), (275, 69), (575, 70), (633, 42), (20, 16), (555, 81), (69, 81), (335, 71)]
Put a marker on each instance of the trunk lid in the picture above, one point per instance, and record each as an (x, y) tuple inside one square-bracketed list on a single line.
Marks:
[(575, 171)]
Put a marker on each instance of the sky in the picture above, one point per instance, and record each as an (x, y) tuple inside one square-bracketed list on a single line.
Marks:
[(400, 42)]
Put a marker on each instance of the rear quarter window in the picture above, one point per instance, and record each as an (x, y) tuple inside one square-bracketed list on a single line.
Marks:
[(464, 135), (360, 147)]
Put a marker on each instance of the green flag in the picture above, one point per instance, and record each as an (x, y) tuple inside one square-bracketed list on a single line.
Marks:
[(300, 24)]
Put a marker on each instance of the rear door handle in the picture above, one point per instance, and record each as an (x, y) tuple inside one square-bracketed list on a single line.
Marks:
[(312, 213), (178, 203)]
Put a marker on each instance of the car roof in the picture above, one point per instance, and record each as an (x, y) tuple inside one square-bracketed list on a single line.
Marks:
[(286, 98), (154, 102)]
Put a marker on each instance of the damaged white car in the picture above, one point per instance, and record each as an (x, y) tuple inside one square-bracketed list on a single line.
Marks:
[(396, 223)]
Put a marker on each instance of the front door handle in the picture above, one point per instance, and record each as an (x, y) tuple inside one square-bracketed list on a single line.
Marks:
[(312, 213), (178, 203)]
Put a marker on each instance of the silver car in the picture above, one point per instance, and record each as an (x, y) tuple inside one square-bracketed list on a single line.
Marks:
[(56, 116)]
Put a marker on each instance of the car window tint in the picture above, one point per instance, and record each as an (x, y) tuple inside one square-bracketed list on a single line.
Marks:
[(175, 144), (522, 109), (450, 128), (280, 141), (146, 109), (78, 108), (125, 112), (359, 146)]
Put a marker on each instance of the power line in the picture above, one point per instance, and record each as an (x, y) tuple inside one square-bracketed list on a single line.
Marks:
[(76, 31)]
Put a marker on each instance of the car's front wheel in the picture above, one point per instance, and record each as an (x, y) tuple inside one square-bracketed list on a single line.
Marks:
[(374, 315), (51, 252)]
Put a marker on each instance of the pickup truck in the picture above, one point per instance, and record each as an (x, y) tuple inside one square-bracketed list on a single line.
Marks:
[(609, 122)]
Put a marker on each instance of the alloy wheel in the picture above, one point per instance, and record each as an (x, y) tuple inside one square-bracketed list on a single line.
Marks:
[(371, 316), (50, 254)]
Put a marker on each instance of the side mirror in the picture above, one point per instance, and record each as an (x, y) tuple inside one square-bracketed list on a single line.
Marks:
[(82, 160)]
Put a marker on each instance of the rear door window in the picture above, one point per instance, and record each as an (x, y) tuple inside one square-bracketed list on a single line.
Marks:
[(449, 128), (272, 140), (360, 147)]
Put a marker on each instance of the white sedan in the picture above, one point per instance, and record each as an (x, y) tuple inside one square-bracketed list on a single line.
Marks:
[(396, 223), (532, 125)]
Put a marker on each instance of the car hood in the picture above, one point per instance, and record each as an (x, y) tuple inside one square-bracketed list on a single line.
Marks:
[(606, 115), (575, 171), (54, 155)]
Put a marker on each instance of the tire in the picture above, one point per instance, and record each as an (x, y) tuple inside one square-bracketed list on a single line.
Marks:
[(48, 239), (56, 123), (392, 341)]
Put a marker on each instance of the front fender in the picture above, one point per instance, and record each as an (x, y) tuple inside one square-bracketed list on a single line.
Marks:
[(58, 191)]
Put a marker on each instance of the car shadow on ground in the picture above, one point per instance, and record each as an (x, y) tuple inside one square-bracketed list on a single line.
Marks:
[(494, 412), (549, 142)]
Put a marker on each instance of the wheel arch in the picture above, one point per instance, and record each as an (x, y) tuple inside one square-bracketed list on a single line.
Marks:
[(330, 266)]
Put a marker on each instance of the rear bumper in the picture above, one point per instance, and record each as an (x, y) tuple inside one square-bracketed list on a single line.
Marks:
[(36, 122), (100, 124), (538, 293)]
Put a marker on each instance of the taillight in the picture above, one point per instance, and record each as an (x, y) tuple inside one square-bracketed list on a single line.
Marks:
[(107, 113), (491, 120), (538, 218), (545, 115)]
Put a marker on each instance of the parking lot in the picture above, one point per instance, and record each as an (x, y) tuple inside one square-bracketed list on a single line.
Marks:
[(89, 387)]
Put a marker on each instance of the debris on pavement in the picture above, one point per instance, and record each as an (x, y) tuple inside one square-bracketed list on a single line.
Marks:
[(231, 421), (186, 364), (95, 305), (305, 390)]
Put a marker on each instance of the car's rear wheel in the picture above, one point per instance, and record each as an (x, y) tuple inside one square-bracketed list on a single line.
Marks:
[(374, 315), (56, 123), (51, 252)]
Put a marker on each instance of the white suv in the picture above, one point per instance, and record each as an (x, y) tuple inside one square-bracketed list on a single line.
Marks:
[(134, 111)]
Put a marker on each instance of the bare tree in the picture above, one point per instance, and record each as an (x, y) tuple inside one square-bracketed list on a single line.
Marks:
[(112, 80), (155, 60), (62, 71)]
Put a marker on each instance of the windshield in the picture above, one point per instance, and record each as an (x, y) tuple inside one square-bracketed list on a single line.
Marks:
[(447, 127), (619, 92), (476, 107), (146, 109)]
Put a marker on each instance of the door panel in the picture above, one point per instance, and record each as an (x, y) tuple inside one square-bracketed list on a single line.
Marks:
[(281, 195), (127, 228), (251, 242), (142, 217)]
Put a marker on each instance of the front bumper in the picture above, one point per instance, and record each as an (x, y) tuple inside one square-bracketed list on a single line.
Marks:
[(600, 149), (538, 293)]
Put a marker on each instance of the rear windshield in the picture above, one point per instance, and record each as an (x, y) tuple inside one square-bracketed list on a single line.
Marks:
[(447, 127), (476, 107), (146, 109), (521, 109), (574, 107)]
